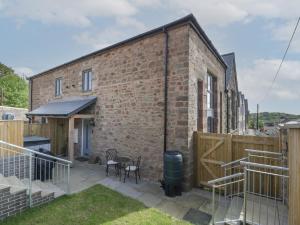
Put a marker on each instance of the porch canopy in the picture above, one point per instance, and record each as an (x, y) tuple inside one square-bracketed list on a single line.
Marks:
[(67, 108), (63, 107)]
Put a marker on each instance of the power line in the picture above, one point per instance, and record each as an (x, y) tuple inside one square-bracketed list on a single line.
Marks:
[(282, 60)]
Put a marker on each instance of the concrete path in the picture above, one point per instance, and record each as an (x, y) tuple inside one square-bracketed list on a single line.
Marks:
[(85, 175)]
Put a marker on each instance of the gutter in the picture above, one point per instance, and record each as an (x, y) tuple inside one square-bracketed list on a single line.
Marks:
[(30, 94), (227, 111), (166, 61), (189, 19)]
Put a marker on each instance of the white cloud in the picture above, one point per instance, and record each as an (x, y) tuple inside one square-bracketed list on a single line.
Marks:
[(76, 13), (99, 40), (255, 81), (131, 22), (23, 71), (81, 13), (283, 33), (228, 11)]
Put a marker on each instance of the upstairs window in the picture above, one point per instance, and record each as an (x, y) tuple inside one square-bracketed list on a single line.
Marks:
[(58, 83), (87, 80), (210, 98)]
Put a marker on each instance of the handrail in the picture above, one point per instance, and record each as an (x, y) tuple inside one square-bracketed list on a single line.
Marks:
[(264, 166), (263, 152), (225, 178), (36, 152), (233, 162)]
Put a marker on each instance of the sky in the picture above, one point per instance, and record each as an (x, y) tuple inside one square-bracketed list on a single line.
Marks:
[(37, 35)]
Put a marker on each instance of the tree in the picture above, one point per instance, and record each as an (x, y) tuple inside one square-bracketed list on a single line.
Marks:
[(13, 88), (252, 123)]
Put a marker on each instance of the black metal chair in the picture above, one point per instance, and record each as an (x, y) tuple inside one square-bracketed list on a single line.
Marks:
[(135, 167), (111, 159)]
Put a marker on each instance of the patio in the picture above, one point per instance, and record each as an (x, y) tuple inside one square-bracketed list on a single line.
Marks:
[(85, 175)]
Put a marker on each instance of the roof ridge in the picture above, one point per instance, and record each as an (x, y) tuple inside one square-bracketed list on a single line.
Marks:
[(190, 18)]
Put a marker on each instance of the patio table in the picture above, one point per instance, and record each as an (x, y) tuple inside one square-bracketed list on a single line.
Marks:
[(123, 161)]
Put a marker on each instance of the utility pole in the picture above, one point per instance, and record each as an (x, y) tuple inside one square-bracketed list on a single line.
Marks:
[(257, 117)]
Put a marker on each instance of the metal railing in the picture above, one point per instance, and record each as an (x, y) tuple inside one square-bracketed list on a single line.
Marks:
[(29, 166), (258, 190), (263, 196), (231, 168), (220, 204)]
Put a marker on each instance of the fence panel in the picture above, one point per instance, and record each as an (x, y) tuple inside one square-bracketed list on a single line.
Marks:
[(212, 150), (37, 129), (11, 131)]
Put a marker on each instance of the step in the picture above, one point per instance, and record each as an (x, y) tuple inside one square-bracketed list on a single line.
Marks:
[(234, 211), (12, 183), (221, 211), (3, 183), (261, 210), (36, 187), (48, 186)]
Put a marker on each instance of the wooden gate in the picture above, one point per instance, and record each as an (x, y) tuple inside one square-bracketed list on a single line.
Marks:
[(212, 150)]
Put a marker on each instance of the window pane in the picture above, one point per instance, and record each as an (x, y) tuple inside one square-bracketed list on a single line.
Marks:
[(85, 81), (90, 80), (208, 82), (57, 87)]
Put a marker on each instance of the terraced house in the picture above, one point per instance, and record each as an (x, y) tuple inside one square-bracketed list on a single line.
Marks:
[(231, 93), (141, 96)]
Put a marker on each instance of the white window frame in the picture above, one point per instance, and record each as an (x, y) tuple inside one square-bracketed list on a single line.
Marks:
[(58, 86), (210, 102), (87, 77)]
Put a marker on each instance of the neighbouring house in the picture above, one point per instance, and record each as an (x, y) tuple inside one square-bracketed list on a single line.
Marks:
[(231, 94), (7, 113), (243, 113), (247, 113), (141, 96)]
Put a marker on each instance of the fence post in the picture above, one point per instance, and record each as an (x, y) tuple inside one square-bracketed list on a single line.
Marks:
[(294, 172), (68, 180), (245, 195), (213, 205), (30, 179)]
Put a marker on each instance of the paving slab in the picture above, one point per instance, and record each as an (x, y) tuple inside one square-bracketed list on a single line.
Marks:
[(150, 200), (128, 191), (173, 209), (110, 183)]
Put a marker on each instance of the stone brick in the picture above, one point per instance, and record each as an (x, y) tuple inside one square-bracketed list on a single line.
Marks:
[(129, 84)]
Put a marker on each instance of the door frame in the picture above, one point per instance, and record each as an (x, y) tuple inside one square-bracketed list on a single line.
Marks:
[(85, 122)]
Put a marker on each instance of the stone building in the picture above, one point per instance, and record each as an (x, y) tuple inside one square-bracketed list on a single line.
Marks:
[(242, 113), (141, 96), (15, 113), (231, 93)]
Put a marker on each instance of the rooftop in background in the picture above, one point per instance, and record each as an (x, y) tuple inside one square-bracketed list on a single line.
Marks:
[(189, 19), (64, 107), (229, 59)]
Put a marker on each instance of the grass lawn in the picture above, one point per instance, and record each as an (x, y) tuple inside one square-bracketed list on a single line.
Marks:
[(96, 205)]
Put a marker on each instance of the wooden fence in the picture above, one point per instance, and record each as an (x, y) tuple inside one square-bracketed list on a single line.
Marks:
[(36, 129), (213, 150), (56, 130), (11, 131)]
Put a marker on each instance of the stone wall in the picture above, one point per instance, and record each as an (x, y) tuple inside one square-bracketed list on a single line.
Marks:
[(129, 84), (202, 61)]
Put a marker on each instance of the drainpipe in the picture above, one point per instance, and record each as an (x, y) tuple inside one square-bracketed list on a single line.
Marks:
[(227, 111), (166, 86), (30, 94)]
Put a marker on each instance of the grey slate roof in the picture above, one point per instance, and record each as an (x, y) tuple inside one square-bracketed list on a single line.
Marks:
[(189, 19), (64, 107), (230, 62)]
